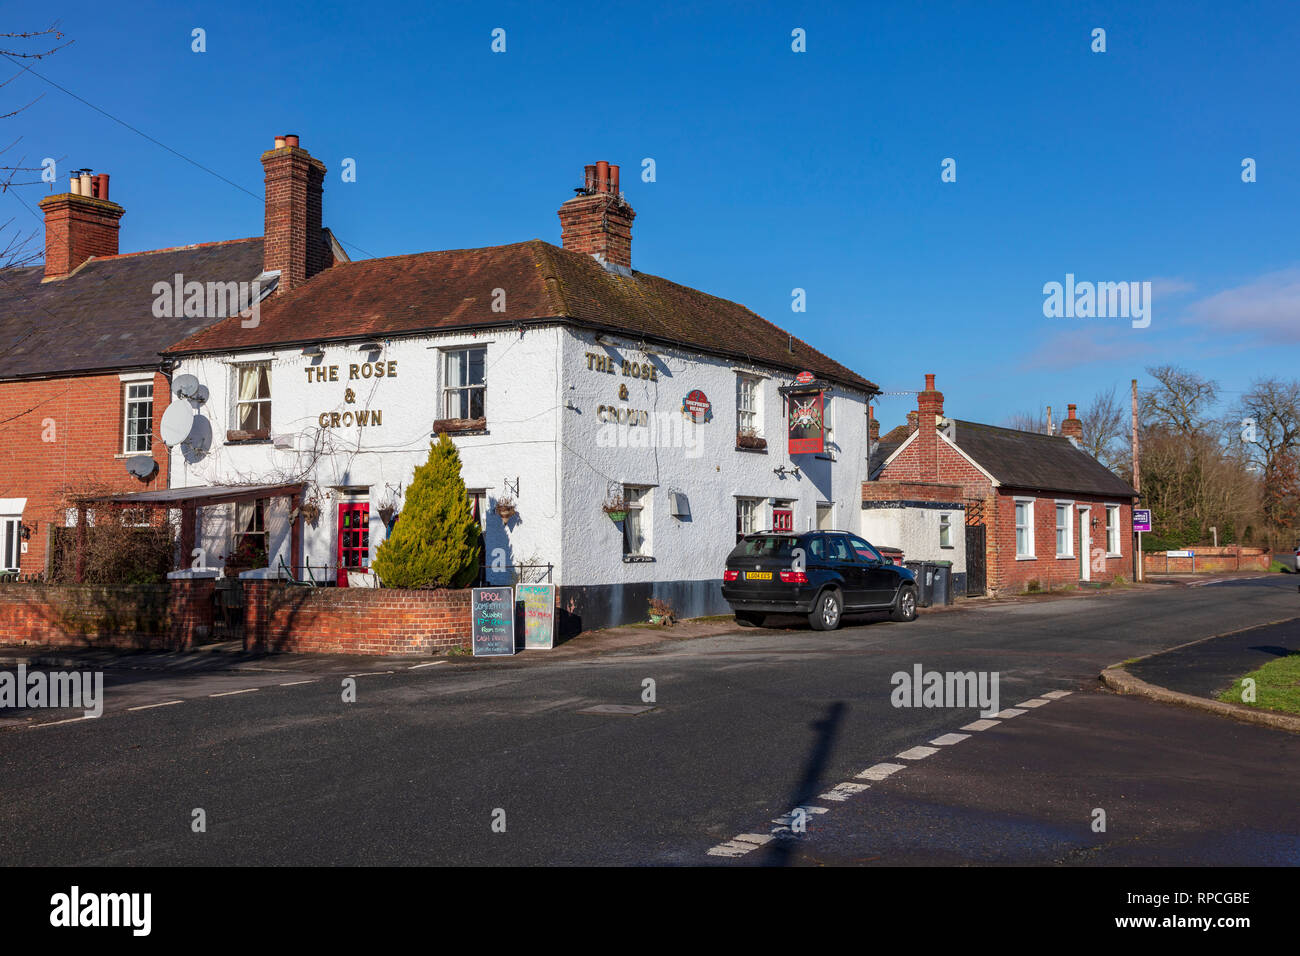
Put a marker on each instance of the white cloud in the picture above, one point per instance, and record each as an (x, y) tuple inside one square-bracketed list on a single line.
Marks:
[(1268, 307)]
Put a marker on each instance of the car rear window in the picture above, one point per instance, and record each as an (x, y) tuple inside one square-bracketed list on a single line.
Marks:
[(764, 546)]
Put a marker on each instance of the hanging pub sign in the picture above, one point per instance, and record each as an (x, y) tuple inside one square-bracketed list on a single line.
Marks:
[(697, 408), (492, 617), (807, 422)]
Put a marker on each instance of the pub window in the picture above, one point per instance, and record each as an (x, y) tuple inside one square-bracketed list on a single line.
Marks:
[(464, 386), (637, 523), (253, 409), (746, 515), (249, 546), (1112, 529), (137, 427), (748, 421)]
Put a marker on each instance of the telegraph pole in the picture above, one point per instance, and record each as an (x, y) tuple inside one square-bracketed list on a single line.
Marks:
[(1137, 480)]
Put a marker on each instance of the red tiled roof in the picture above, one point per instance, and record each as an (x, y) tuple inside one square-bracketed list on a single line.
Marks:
[(454, 289)]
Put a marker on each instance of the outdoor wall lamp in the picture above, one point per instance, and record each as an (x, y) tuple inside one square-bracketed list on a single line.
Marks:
[(782, 471), (313, 351)]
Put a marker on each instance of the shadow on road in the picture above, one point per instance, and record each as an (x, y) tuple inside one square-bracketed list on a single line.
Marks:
[(810, 785)]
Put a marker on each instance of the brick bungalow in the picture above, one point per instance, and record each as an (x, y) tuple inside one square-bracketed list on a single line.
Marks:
[(1046, 511), (82, 385)]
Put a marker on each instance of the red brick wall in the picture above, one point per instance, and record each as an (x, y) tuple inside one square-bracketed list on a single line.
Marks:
[(910, 491), (162, 617), (1007, 573), (380, 621), (1209, 559), (76, 228), (294, 242), (598, 224), (84, 417)]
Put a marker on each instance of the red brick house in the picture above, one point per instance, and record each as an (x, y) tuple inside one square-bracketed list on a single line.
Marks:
[(82, 385), (1046, 511)]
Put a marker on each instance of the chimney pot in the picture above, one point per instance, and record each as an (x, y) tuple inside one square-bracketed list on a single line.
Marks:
[(602, 176), (1072, 427), (589, 173), (291, 140), (85, 183), (74, 185), (599, 223), (613, 180), (929, 382), (279, 142)]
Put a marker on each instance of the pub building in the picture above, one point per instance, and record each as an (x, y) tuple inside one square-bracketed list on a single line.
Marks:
[(617, 431)]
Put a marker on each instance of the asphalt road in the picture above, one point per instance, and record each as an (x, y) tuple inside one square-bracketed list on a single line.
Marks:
[(745, 726)]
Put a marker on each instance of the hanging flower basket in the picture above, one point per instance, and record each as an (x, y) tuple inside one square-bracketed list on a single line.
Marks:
[(310, 511), (505, 509), (616, 508)]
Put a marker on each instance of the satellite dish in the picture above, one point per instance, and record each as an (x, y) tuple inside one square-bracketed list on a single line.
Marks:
[(200, 437), (176, 423), (142, 466), (185, 386), (200, 395)]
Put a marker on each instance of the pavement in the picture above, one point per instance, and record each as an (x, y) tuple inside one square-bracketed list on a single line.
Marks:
[(715, 738), (1207, 668)]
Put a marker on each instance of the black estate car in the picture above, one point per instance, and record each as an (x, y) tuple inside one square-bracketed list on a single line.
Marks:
[(824, 574)]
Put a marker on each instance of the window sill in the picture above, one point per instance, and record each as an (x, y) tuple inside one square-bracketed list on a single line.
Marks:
[(121, 456), (1065, 557), (248, 441), (1114, 554), (460, 426), (756, 451), (638, 559), (1026, 557), (237, 436)]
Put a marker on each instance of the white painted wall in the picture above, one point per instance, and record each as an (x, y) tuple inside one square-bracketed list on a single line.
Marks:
[(916, 532), (542, 408)]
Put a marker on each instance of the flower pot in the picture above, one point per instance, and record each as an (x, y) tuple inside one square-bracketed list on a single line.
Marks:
[(616, 516)]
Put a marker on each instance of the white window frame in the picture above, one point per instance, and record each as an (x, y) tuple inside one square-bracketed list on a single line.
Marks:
[(636, 499), (1115, 530), (445, 376), (1068, 528), (146, 436), (1031, 554), (945, 529), (11, 542), (747, 508), (236, 405), (749, 415)]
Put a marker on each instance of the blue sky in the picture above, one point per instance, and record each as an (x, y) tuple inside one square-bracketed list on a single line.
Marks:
[(775, 170)]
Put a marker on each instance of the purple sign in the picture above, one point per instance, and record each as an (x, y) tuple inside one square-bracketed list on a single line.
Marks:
[(1141, 519)]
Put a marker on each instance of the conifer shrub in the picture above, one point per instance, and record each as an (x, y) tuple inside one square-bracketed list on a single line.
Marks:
[(435, 541)]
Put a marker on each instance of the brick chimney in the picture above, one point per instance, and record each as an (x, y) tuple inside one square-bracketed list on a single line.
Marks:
[(929, 409), (294, 243), (911, 421), (79, 224), (873, 425), (597, 221), (1072, 427)]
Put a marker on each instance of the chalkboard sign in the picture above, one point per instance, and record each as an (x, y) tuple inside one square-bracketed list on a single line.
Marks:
[(537, 607), (493, 617)]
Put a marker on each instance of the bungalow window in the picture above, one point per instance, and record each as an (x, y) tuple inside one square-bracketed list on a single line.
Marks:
[(1064, 531), (253, 409), (748, 423), (636, 524), (1025, 528), (464, 386), (1112, 529), (11, 536), (945, 530), (137, 428)]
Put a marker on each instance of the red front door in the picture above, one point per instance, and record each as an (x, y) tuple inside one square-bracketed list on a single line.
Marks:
[(354, 538)]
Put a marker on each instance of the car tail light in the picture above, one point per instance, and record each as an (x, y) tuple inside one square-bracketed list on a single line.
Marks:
[(729, 575), (794, 577)]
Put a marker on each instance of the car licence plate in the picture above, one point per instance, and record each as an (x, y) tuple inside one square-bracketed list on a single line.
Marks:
[(758, 575)]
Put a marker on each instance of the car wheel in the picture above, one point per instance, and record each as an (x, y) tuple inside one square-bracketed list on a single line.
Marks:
[(826, 612), (905, 605), (750, 618)]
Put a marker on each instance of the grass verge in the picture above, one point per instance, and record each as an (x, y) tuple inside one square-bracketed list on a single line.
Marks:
[(1277, 686)]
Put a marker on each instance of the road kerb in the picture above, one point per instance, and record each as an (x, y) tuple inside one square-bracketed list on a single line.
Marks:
[(1118, 679)]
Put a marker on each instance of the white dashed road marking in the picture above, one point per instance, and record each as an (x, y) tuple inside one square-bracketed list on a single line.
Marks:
[(1057, 694), (230, 693), (880, 771), (947, 740), (1008, 713), (842, 791), (295, 683), (1036, 702), (982, 724), (52, 723), (425, 664), (918, 753), (786, 819), (165, 703)]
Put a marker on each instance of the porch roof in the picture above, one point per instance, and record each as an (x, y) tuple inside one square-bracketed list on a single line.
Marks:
[(199, 495)]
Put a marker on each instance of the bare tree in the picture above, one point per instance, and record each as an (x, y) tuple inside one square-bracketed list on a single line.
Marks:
[(1105, 425), (1030, 421), (1269, 416), (1180, 401)]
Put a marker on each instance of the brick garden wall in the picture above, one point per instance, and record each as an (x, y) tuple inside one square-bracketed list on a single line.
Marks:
[(1209, 560), (162, 617), (380, 621)]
